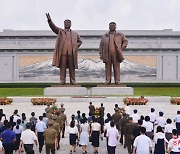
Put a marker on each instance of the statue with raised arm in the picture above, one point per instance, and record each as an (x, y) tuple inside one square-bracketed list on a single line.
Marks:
[(65, 53), (110, 50)]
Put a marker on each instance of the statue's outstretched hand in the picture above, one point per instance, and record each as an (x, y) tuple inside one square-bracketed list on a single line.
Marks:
[(48, 17)]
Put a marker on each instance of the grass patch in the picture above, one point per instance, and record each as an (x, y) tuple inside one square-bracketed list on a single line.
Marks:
[(4, 92), (138, 91), (88, 85), (157, 91)]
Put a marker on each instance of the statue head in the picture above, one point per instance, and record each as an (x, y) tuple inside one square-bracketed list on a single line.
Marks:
[(112, 26), (67, 24)]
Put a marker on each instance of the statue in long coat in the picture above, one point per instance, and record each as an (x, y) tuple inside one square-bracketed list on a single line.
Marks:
[(111, 47), (65, 52)]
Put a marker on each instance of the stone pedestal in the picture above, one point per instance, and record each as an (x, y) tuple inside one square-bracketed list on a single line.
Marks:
[(82, 91), (112, 91), (65, 91)]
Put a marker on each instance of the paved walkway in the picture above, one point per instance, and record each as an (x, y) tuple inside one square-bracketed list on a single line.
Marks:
[(72, 107)]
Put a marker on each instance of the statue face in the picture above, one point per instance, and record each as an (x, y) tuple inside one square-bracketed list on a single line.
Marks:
[(67, 24), (112, 26)]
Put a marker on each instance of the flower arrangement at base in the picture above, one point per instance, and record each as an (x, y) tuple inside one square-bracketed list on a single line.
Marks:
[(43, 101), (5, 101), (175, 100), (135, 101)]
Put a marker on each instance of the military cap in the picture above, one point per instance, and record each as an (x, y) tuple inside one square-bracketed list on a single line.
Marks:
[(50, 122)]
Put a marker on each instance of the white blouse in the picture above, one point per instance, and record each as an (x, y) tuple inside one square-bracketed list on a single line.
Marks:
[(169, 128), (73, 130), (159, 135), (95, 126)]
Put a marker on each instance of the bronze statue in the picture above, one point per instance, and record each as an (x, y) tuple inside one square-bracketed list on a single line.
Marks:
[(65, 53), (110, 50)]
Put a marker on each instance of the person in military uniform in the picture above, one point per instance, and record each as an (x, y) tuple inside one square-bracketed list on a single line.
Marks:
[(62, 109), (101, 110), (129, 134), (123, 123), (64, 122), (91, 108), (49, 115), (59, 121), (116, 117), (48, 109), (56, 126), (50, 137)]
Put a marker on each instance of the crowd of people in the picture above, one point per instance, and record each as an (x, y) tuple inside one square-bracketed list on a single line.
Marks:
[(135, 132)]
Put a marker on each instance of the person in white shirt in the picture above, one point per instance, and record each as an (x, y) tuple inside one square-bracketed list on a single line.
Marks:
[(15, 116), (95, 133), (174, 143), (45, 119), (17, 130), (149, 127), (112, 135), (135, 116), (160, 140), (106, 128), (40, 128), (73, 136), (142, 144), (161, 121), (177, 120), (168, 129), (28, 138), (127, 110), (152, 116)]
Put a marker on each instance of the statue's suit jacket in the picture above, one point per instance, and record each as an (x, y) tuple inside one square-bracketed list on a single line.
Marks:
[(61, 38), (120, 42)]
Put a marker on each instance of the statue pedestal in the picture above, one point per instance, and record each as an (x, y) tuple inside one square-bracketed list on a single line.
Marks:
[(83, 91), (65, 91), (112, 90)]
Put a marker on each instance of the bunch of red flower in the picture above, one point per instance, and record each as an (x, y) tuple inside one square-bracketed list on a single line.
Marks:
[(175, 100), (135, 101), (5, 101), (43, 101)]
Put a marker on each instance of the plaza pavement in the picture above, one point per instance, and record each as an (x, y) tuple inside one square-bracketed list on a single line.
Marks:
[(72, 107)]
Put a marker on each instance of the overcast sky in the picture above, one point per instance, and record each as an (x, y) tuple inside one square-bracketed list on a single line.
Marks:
[(91, 14)]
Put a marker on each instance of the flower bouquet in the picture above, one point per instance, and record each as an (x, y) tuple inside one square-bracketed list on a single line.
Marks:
[(135, 101), (5, 101), (43, 101), (175, 100)]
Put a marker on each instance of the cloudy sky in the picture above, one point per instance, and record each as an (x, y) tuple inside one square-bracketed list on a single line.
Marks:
[(91, 14)]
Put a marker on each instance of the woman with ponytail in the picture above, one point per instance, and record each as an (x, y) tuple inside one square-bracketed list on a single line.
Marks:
[(17, 129)]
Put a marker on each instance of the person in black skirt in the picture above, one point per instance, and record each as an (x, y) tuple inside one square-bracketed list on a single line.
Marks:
[(73, 135), (17, 129), (95, 132), (159, 139)]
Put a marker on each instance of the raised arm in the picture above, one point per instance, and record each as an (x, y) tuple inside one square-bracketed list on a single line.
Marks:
[(54, 28)]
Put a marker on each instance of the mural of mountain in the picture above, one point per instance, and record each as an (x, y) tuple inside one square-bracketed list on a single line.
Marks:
[(88, 68)]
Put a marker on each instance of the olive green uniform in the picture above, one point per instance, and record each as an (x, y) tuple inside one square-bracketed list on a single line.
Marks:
[(50, 136)]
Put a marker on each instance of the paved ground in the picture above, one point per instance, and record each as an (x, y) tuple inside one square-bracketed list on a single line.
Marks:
[(72, 107)]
